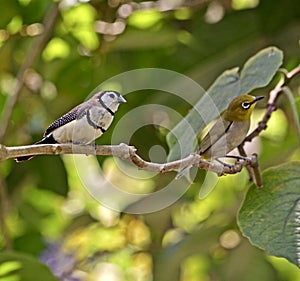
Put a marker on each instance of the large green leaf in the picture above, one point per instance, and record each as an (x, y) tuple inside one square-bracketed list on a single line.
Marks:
[(181, 138), (17, 266), (48, 170), (270, 217), (257, 72), (54, 178)]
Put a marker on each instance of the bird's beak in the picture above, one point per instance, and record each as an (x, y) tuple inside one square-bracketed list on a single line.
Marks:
[(256, 99), (121, 99)]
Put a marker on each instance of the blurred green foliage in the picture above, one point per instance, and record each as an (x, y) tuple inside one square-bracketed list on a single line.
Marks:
[(49, 209)]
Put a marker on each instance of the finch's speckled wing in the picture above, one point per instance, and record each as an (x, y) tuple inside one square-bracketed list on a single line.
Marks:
[(218, 130), (66, 118)]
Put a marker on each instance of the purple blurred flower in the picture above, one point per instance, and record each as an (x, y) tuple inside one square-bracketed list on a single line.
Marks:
[(62, 264)]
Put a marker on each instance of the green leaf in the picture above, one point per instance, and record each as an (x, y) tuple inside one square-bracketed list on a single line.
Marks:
[(54, 179), (294, 112), (270, 217), (183, 136), (259, 70), (17, 266)]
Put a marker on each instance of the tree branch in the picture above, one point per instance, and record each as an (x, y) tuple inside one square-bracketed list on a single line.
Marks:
[(126, 152), (271, 106), (253, 170)]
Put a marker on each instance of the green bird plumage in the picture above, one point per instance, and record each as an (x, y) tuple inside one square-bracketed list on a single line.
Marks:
[(230, 129)]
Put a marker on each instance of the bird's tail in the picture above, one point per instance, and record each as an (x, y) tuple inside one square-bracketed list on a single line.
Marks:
[(23, 158), (46, 140)]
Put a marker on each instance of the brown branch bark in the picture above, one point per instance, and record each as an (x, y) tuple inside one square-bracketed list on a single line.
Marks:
[(126, 152), (253, 169), (271, 106)]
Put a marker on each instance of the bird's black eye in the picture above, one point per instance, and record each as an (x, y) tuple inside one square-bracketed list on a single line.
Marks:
[(246, 105), (112, 96)]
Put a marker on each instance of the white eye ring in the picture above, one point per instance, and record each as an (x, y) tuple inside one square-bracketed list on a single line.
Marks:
[(246, 105)]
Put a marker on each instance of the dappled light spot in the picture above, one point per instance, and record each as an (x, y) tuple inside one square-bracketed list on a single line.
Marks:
[(4, 35), (125, 11), (230, 239), (48, 90), (15, 25), (144, 19), (33, 80), (183, 13), (214, 13), (34, 29), (56, 48), (244, 4), (172, 237), (115, 28)]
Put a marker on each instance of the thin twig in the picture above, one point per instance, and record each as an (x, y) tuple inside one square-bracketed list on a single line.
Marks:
[(249, 169), (34, 51), (271, 107), (257, 174), (253, 169)]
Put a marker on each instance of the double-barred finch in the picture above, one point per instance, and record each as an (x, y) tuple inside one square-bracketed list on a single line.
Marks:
[(84, 123)]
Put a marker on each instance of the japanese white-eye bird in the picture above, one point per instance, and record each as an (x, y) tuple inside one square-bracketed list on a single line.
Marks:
[(230, 129), (84, 123)]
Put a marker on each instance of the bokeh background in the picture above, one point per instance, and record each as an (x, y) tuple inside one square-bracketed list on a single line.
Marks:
[(46, 212)]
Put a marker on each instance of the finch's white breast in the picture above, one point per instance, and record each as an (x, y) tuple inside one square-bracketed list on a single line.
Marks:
[(86, 129)]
